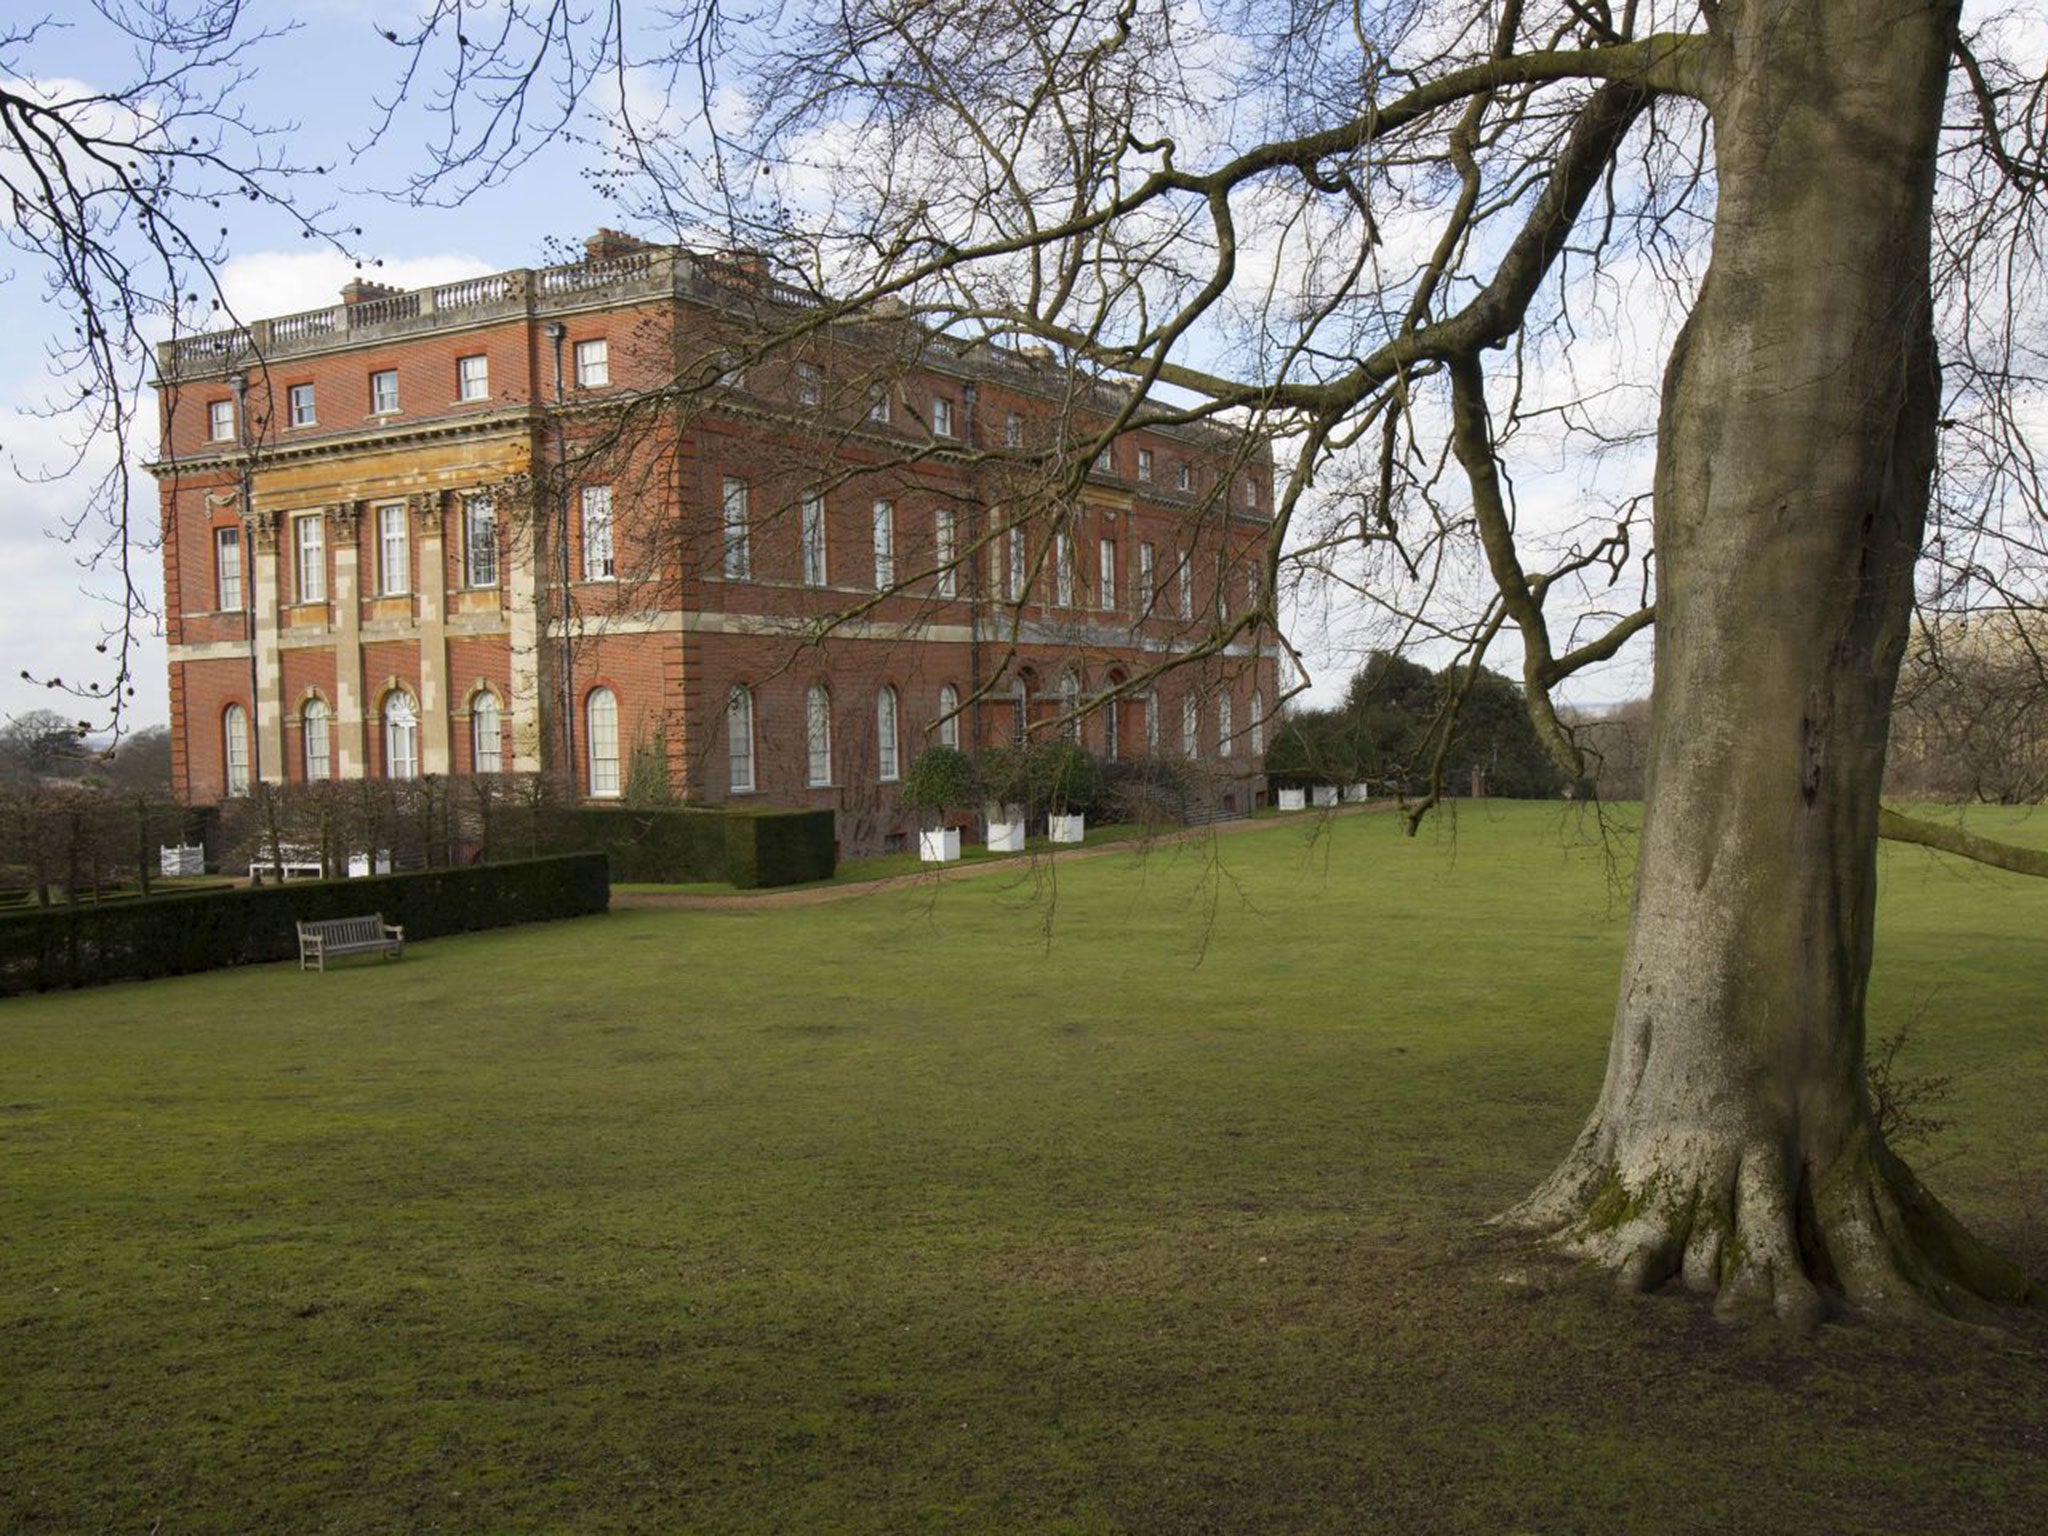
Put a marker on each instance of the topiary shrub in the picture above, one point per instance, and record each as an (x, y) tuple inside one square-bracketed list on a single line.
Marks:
[(940, 780), (1065, 777), (1004, 774)]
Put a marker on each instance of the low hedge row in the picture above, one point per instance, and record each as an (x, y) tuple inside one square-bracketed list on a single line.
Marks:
[(744, 847), (83, 946)]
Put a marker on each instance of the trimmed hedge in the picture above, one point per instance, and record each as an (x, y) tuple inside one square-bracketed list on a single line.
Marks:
[(672, 844), (778, 847), (746, 848), (83, 946)]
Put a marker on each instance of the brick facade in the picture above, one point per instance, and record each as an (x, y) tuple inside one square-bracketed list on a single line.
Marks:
[(608, 560)]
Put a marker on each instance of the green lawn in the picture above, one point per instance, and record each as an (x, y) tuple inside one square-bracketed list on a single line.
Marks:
[(899, 1214)]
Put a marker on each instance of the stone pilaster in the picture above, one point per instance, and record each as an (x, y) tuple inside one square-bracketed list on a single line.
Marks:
[(344, 522), (520, 543), (269, 669), (435, 757)]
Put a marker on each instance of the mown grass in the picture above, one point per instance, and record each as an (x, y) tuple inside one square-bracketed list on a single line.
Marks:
[(905, 1214)]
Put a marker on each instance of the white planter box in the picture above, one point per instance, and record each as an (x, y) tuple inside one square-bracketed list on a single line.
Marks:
[(940, 847), (1293, 800), (1354, 793), (1326, 794), (1006, 836), (183, 859), (1066, 829), (359, 864)]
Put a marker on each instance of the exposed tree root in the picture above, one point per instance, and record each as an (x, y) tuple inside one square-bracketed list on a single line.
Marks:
[(1761, 1234)]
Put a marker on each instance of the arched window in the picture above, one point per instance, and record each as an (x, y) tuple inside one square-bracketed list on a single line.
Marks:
[(401, 738), (818, 735), (1190, 726), (486, 735), (1070, 705), (1151, 724), (315, 741), (885, 735), (601, 718), (1258, 723), (1223, 725), (234, 728), (949, 716), (739, 742), (1112, 739), (1020, 704)]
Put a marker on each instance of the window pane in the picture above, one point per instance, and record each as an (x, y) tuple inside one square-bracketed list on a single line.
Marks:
[(235, 738), (384, 391), (946, 553), (220, 420), (473, 377), (301, 398), (401, 738), (486, 736), (814, 541), (1062, 570), (598, 561), (395, 551), (739, 554), (1105, 592), (480, 542), (318, 753), (818, 736), (227, 560), (885, 546), (603, 717), (949, 716), (1223, 725), (885, 734), (593, 364), (739, 741), (312, 559)]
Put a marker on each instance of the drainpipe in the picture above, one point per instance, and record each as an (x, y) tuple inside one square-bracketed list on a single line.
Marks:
[(566, 708)]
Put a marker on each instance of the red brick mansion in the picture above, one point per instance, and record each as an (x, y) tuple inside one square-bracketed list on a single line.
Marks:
[(654, 512)]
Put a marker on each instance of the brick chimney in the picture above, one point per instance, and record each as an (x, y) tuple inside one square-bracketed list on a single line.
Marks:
[(608, 244), (361, 291)]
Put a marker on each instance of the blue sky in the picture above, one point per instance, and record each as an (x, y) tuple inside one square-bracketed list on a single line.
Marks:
[(322, 80), (321, 77)]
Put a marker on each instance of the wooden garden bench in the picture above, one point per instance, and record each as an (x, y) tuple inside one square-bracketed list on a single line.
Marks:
[(336, 936)]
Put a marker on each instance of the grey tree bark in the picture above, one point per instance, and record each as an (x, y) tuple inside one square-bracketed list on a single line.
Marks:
[(1733, 1142)]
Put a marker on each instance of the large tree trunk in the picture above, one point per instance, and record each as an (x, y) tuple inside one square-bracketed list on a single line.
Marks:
[(1734, 1141)]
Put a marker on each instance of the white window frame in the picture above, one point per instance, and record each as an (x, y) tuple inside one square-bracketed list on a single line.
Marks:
[(818, 736), (1183, 477), (1062, 571), (812, 519), (942, 416), (316, 742), (601, 743), (593, 363), (479, 534), (228, 589), (234, 731), (300, 406), (1190, 726), (949, 716), (1152, 724), (1225, 725), (486, 734), (381, 402), (473, 377), (1070, 706), (1251, 494), (1013, 574), (394, 550), (1186, 583), (309, 558), (1148, 571), (1020, 712), (810, 385), (737, 557), (1013, 431), (399, 718), (220, 421), (739, 742), (1112, 735), (1145, 464), (888, 749), (1258, 723), (878, 404), (1105, 561), (885, 545), (600, 540), (946, 551)]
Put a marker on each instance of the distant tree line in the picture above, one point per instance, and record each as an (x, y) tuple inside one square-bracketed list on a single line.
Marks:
[(1400, 721)]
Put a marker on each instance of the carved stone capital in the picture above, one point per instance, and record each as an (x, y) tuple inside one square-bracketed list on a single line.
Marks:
[(262, 526), (425, 507), (347, 517)]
